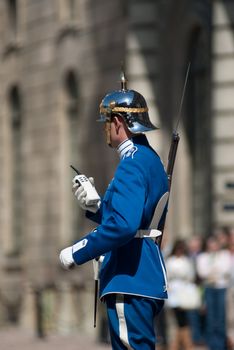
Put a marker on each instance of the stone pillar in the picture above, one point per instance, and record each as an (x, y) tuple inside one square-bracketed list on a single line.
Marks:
[(223, 112)]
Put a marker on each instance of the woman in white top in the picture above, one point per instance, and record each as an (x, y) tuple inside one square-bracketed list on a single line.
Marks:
[(181, 295)]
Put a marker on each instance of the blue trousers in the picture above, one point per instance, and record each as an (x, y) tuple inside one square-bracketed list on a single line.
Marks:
[(197, 324), (132, 321), (215, 318)]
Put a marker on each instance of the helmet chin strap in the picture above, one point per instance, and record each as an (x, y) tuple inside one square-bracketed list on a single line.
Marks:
[(108, 133)]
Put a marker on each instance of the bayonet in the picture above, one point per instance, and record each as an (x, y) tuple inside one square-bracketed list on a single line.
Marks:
[(173, 148)]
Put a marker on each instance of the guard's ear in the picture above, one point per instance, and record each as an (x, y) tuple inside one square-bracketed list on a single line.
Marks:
[(118, 122)]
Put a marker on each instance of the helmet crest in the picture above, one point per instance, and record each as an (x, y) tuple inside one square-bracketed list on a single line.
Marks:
[(123, 81)]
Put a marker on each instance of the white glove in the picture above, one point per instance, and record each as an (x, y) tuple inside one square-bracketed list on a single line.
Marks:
[(66, 258), (81, 195)]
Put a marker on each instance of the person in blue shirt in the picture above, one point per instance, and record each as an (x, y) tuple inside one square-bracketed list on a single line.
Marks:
[(133, 281)]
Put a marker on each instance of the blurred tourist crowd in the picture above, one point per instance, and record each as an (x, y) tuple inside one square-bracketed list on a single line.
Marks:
[(201, 293)]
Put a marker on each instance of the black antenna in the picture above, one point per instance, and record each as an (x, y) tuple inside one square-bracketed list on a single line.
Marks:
[(77, 171)]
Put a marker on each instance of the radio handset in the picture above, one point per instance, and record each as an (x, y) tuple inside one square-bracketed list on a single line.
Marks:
[(92, 197)]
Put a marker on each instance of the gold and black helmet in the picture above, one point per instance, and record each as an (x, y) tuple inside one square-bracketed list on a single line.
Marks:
[(130, 105)]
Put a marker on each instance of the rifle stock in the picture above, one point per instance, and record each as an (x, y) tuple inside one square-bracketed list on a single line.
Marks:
[(172, 156)]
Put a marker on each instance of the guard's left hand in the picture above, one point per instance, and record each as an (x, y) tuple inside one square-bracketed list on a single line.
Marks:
[(66, 258)]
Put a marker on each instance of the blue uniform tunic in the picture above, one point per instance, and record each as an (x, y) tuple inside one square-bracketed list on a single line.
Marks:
[(131, 265)]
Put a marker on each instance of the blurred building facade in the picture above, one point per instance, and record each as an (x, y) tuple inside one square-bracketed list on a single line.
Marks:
[(57, 60)]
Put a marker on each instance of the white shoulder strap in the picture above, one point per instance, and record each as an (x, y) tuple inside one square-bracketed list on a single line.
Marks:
[(160, 208)]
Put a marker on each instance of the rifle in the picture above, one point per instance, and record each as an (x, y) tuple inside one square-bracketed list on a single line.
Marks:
[(173, 150)]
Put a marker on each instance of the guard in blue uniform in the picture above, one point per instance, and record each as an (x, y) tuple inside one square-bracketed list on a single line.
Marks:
[(133, 280)]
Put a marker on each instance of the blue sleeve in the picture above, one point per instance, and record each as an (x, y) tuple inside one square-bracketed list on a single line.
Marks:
[(96, 217), (123, 206)]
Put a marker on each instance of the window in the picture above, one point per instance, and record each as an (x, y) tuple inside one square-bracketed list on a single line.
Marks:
[(71, 87), (72, 112), (73, 134), (12, 10), (15, 108)]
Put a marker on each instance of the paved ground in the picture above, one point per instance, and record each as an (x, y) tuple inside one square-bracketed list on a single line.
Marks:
[(14, 339)]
